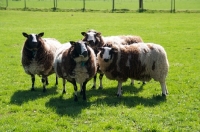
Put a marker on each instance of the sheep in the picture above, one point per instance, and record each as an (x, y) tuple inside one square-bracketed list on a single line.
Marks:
[(37, 57), (96, 40), (142, 61), (75, 62)]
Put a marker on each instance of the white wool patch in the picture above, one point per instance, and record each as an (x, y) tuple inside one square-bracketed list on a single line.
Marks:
[(52, 41), (59, 54), (144, 53), (81, 59), (80, 73), (83, 48), (34, 38), (113, 39), (34, 68), (91, 37), (60, 50), (106, 54)]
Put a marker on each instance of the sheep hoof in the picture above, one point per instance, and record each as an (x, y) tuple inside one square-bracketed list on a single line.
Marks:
[(93, 87), (32, 89), (164, 95), (75, 99), (118, 95), (63, 92), (84, 98), (100, 87)]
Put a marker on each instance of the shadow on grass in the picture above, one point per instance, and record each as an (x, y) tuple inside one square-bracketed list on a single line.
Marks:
[(23, 96), (129, 98), (67, 106), (102, 97)]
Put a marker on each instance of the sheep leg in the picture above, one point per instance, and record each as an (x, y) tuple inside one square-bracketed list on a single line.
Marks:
[(164, 88), (119, 92), (47, 82), (44, 83), (100, 78), (64, 90), (94, 82), (84, 89), (33, 82), (75, 90), (132, 82), (81, 91)]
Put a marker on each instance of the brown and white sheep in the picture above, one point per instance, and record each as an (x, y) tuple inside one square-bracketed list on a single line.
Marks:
[(38, 56), (142, 61), (75, 62), (96, 40)]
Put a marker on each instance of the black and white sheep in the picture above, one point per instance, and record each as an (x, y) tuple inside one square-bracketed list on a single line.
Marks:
[(75, 62), (38, 56), (96, 40), (142, 61)]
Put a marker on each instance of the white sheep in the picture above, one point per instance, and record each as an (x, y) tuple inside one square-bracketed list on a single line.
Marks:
[(37, 57), (142, 61)]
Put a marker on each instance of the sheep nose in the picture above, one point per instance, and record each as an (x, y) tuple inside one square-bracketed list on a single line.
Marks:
[(106, 60), (84, 54), (91, 42)]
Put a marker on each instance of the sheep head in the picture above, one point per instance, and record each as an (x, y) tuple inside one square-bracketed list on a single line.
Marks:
[(106, 53), (79, 51), (32, 42), (92, 37)]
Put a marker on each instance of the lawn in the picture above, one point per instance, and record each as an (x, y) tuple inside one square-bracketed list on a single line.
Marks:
[(102, 5), (141, 108)]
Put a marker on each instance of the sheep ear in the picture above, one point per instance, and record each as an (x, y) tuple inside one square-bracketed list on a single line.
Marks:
[(72, 42), (98, 33), (83, 33), (114, 50), (25, 34), (41, 34)]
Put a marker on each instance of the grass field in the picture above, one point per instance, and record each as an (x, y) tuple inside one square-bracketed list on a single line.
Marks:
[(141, 108), (102, 5)]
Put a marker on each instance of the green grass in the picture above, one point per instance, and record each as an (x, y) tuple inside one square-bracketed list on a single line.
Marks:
[(102, 5), (141, 108)]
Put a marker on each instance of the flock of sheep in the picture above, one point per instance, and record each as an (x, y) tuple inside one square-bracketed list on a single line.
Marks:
[(118, 57)]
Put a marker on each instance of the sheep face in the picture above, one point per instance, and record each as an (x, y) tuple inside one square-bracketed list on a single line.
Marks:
[(33, 42), (92, 37), (106, 53), (79, 52)]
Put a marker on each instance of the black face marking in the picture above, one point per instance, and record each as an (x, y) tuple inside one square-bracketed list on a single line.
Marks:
[(80, 49), (32, 43)]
